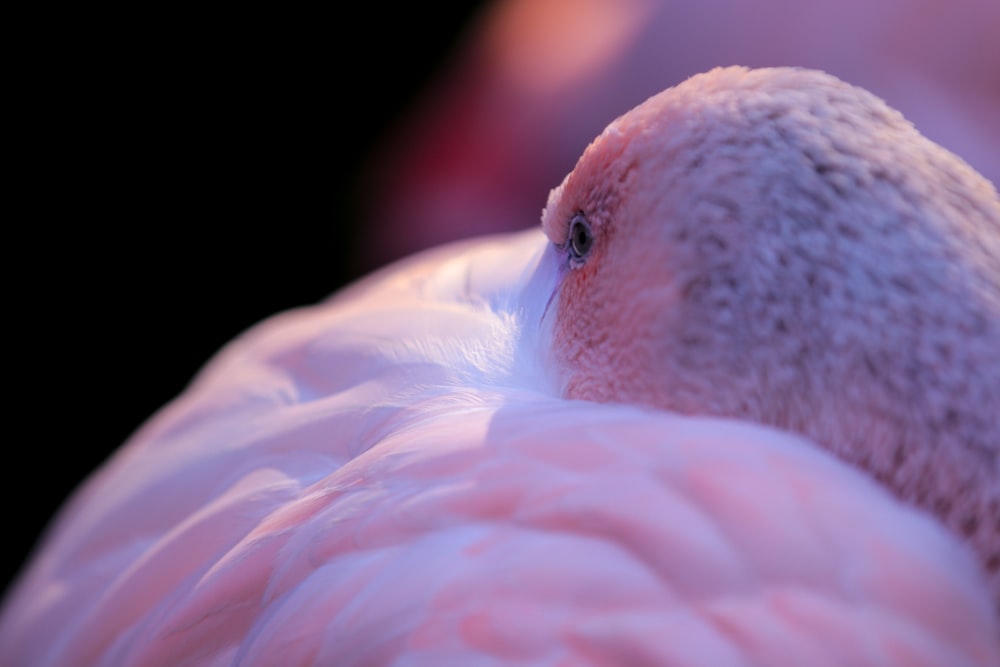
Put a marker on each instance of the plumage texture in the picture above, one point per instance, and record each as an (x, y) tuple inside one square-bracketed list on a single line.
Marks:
[(393, 477), (806, 255)]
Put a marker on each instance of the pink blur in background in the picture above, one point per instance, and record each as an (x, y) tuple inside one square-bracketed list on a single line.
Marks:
[(533, 81)]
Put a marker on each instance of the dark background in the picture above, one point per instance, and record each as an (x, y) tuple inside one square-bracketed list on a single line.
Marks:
[(182, 177)]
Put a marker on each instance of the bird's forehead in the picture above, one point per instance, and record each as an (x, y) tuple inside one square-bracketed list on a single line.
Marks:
[(594, 187), (631, 144), (639, 151)]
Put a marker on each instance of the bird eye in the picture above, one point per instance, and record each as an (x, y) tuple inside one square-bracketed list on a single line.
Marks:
[(581, 238)]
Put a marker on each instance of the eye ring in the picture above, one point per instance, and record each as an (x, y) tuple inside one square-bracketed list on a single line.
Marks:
[(581, 239)]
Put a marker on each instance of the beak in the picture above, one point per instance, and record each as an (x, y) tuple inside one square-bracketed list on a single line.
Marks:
[(560, 266), (552, 267)]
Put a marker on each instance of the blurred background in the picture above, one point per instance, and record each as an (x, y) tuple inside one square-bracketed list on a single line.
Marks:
[(188, 175)]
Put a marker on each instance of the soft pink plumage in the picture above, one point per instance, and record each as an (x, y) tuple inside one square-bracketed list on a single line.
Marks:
[(391, 478)]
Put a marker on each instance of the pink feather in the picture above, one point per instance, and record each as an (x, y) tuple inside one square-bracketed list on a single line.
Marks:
[(330, 493)]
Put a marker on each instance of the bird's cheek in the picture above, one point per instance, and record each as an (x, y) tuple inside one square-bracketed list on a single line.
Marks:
[(575, 327)]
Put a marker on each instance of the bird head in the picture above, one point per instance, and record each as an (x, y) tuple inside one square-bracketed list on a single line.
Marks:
[(780, 246), (732, 236)]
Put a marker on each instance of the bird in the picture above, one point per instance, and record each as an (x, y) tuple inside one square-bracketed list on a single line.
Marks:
[(731, 403)]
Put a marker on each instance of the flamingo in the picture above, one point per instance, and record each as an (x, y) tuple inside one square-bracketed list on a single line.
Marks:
[(733, 403)]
